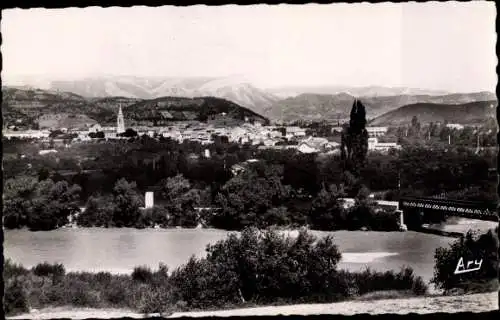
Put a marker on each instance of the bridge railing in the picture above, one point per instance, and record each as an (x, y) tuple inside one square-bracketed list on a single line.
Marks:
[(467, 209), (491, 205)]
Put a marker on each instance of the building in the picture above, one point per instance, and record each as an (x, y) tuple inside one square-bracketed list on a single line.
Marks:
[(295, 132), (376, 131), (95, 128), (44, 152), (120, 122), (454, 126), (313, 144), (374, 145), (28, 134), (241, 167)]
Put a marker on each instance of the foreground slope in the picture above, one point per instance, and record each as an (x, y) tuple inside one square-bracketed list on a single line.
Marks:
[(481, 302)]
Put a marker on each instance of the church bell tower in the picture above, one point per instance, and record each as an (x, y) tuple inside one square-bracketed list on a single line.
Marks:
[(120, 122)]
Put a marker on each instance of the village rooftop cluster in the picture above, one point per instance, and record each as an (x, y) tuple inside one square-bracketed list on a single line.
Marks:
[(256, 134)]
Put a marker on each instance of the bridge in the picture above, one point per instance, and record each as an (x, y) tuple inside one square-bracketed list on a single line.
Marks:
[(415, 208)]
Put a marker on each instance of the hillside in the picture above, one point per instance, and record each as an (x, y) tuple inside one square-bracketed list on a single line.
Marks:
[(51, 109), (64, 120), (161, 110), (26, 107), (468, 113), (314, 107)]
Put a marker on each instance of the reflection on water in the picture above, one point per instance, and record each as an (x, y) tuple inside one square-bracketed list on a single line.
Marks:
[(120, 250)]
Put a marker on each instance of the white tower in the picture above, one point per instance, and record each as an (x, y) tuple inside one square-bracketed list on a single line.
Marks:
[(120, 122)]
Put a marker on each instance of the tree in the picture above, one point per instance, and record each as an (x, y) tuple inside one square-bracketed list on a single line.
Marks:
[(354, 140), (43, 205), (129, 133), (415, 126), (327, 212), (174, 187), (98, 212), (97, 135), (249, 195), (127, 203)]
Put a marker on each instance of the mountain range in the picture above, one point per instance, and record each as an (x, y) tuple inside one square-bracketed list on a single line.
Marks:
[(99, 97), (367, 91), (236, 89)]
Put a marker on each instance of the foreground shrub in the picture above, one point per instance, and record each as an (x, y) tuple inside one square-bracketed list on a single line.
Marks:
[(157, 300), (12, 270), (372, 281), (15, 297), (258, 267), (470, 247), (46, 269), (142, 274)]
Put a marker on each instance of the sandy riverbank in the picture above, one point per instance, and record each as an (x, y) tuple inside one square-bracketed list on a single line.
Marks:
[(482, 302)]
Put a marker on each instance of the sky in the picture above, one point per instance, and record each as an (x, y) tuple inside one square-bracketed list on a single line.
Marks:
[(444, 46)]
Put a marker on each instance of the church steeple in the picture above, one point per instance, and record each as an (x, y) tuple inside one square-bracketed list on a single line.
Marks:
[(120, 122)]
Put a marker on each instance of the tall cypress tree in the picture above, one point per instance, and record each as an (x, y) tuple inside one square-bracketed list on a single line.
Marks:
[(354, 143)]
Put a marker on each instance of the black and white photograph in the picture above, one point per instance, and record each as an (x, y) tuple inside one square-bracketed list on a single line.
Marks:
[(230, 160)]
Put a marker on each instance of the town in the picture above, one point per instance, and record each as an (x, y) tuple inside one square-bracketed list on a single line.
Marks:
[(257, 134)]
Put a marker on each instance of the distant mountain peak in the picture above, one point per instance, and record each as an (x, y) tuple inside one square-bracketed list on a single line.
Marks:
[(235, 88)]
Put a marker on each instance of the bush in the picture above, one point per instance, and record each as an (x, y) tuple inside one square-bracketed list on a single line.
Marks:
[(46, 269), (12, 270), (155, 301), (142, 274), (260, 268), (15, 297), (469, 247), (81, 294), (371, 281)]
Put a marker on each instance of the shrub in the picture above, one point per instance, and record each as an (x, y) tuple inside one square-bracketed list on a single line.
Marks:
[(371, 281), (155, 301), (15, 297), (12, 270), (469, 247), (142, 274), (46, 269), (81, 294)]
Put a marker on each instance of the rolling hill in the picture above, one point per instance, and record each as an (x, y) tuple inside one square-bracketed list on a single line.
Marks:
[(314, 107), (468, 113), (164, 109), (28, 107)]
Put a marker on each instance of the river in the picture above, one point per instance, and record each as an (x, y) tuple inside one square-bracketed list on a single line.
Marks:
[(120, 250)]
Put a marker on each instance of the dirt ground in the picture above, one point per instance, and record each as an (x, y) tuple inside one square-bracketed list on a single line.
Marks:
[(470, 303)]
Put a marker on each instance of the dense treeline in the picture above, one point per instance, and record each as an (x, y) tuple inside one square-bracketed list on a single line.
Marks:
[(255, 268), (38, 205), (283, 188)]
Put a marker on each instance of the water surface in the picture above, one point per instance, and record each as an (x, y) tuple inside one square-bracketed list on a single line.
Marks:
[(120, 250)]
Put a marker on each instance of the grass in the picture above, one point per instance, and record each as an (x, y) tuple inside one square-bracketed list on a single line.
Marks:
[(386, 294)]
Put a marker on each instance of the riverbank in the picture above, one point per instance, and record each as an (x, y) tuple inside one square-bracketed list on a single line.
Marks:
[(482, 302), (208, 282)]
